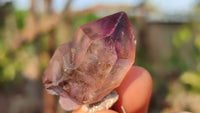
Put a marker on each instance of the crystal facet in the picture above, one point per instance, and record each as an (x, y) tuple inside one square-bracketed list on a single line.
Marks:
[(94, 63)]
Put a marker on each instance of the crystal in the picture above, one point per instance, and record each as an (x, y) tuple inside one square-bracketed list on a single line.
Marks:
[(93, 63)]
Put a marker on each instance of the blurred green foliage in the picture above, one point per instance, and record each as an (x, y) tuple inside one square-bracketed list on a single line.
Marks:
[(187, 36), (5, 10), (82, 19), (197, 42), (181, 37), (20, 18), (192, 79)]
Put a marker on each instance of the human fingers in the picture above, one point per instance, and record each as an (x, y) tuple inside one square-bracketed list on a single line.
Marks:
[(134, 92)]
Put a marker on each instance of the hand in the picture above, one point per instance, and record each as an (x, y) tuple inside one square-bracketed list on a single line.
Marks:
[(134, 93)]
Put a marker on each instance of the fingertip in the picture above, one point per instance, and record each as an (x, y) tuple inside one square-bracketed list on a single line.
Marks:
[(135, 91)]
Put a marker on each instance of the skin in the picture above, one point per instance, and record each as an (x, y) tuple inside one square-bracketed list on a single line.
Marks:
[(134, 93)]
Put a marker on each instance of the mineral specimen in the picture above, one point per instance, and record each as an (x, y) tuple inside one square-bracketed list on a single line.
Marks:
[(93, 64)]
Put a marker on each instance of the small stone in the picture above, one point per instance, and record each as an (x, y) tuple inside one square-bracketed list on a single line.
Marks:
[(105, 103), (93, 64)]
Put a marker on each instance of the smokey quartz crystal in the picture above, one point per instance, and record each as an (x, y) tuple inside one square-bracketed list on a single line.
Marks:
[(93, 63)]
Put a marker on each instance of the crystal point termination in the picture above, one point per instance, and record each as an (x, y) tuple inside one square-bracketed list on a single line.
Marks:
[(86, 69)]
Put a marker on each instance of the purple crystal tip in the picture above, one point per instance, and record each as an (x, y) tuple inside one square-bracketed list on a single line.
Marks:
[(94, 63)]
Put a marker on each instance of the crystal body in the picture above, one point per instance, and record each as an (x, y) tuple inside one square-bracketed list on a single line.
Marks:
[(94, 63)]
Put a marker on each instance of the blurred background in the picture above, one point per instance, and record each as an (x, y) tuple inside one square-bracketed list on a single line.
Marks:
[(168, 46)]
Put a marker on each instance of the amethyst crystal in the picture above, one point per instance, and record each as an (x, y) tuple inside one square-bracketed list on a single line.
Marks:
[(93, 64)]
